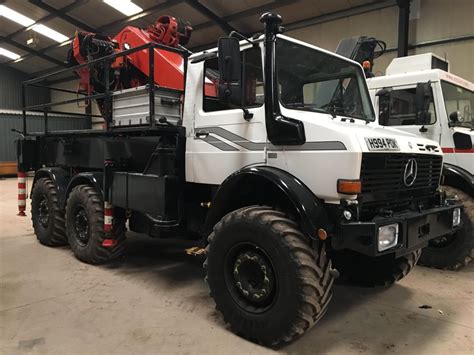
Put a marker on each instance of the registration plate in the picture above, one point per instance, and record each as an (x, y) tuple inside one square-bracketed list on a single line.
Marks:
[(382, 144)]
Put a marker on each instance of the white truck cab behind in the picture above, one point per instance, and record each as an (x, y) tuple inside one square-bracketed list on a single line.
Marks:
[(452, 106)]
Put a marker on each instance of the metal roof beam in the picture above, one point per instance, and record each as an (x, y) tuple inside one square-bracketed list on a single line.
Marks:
[(336, 15), (223, 24), (332, 16), (249, 12), (60, 13)]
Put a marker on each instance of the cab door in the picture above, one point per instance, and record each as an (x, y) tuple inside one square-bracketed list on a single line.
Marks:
[(222, 140)]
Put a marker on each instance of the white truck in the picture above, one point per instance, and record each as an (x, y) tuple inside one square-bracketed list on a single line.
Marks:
[(275, 163), (419, 95), (450, 122)]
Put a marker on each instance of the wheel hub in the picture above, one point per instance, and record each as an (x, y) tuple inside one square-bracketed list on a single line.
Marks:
[(43, 213), (253, 277), (81, 226)]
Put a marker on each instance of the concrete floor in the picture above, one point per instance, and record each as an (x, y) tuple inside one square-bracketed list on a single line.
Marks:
[(155, 301)]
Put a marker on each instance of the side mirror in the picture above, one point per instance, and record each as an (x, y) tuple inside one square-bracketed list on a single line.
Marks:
[(230, 71), (454, 117), (384, 105), (424, 97)]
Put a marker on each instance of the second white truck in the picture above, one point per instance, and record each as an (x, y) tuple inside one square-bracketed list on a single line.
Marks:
[(419, 95)]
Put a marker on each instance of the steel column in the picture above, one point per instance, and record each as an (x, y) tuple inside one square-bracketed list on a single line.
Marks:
[(403, 26)]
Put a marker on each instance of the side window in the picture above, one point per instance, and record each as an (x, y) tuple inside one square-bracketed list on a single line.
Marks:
[(252, 77), (252, 82), (403, 108)]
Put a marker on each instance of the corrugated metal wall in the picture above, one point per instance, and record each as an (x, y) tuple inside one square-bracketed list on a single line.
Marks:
[(10, 89), (35, 124)]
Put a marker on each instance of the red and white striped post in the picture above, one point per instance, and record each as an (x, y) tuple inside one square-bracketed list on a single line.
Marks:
[(108, 224), (108, 216), (21, 194)]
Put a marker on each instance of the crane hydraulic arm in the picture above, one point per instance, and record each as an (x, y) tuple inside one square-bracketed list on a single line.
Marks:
[(132, 70), (363, 50)]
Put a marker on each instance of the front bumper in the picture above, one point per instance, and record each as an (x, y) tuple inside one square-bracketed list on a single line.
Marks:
[(416, 229)]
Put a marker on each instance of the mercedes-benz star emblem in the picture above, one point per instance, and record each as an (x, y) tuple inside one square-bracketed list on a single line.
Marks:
[(411, 169)]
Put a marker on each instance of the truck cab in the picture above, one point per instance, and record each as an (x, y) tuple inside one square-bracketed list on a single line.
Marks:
[(450, 119), (324, 93)]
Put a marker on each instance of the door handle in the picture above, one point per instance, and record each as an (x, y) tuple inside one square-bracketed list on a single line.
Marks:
[(201, 134)]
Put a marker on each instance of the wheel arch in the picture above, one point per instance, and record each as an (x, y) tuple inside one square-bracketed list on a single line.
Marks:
[(459, 178), (268, 185), (93, 179), (59, 176)]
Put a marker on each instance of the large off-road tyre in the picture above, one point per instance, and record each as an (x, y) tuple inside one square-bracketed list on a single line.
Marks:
[(266, 279), (454, 251), (360, 270), (47, 217), (85, 227)]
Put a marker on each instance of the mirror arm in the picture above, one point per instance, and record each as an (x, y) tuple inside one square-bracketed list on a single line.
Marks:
[(247, 114), (241, 36)]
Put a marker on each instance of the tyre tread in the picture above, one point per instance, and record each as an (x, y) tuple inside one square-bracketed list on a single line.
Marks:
[(58, 235), (313, 268)]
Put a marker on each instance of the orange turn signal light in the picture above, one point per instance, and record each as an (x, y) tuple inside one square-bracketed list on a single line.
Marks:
[(349, 187)]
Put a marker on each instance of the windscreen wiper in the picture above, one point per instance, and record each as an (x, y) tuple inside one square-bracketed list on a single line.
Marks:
[(333, 108)]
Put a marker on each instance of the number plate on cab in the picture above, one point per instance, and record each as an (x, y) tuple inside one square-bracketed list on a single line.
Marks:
[(382, 144)]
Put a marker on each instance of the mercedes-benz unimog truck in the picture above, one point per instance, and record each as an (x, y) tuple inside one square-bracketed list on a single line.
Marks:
[(265, 151)]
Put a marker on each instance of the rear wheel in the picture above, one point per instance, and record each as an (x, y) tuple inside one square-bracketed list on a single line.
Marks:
[(266, 279), (456, 250), (47, 217), (85, 227), (361, 270)]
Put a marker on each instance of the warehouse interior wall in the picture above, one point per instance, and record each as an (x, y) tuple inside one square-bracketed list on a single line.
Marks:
[(429, 20), (10, 90)]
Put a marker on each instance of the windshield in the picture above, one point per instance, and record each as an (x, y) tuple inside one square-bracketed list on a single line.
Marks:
[(460, 100), (312, 80)]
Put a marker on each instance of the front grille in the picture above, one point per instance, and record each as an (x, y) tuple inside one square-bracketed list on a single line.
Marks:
[(383, 182)]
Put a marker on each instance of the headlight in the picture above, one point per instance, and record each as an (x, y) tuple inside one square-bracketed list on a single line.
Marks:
[(388, 236), (456, 217)]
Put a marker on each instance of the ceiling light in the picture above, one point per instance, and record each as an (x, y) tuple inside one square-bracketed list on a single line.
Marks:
[(15, 16), (49, 32), (126, 7), (9, 54), (27, 22)]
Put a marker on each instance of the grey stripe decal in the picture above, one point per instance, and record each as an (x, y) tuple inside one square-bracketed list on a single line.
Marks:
[(234, 138), (254, 146), (216, 142)]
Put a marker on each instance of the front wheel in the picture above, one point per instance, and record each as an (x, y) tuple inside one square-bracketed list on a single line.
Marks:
[(456, 250), (266, 279)]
